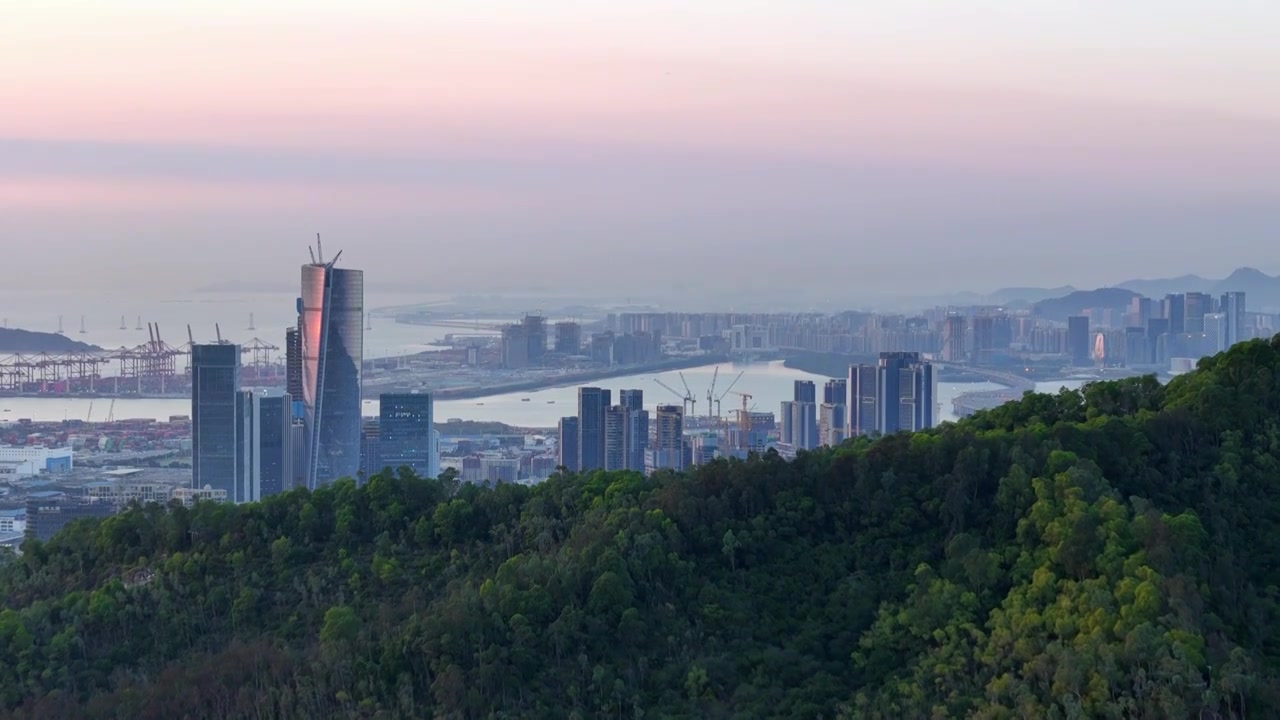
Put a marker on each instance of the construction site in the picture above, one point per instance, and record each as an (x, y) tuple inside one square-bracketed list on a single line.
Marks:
[(153, 369)]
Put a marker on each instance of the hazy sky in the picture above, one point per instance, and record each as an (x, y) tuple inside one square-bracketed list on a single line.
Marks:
[(745, 146)]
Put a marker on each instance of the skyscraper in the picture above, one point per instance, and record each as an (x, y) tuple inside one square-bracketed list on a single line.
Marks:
[(1079, 346), (515, 347), (332, 330), (1232, 307), (804, 425), (905, 391), (273, 427), (1174, 311), (370, 448), (953, 346), (831, 420), (216, 432), (592, 402), (1215, 333), (568, 338), (668, 448), (637, 428), (568, 443), (293, 362), (535, 332), (406, 429), (862, 399), (615, 438), (1195, 306), (984, 338), (836, 391)]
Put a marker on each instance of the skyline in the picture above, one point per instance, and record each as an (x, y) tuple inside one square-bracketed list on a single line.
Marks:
[(487, 145)]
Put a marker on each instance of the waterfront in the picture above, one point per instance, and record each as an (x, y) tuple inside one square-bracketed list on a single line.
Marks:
[(768, 383)]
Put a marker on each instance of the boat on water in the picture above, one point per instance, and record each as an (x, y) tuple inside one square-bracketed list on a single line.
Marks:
[(549, 402), (479, 403), (524, 399)]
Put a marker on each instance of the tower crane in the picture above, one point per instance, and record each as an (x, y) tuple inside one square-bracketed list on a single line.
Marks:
[(744, 419), (683, 398), (693, 399), (711, 392), (727, 391)]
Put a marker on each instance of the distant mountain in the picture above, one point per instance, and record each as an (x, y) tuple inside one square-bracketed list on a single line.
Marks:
[(1029, 295), (26, 341), (1262, 291), (1075, 303)]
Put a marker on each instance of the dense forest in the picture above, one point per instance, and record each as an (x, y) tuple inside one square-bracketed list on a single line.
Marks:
[(1106, 553)]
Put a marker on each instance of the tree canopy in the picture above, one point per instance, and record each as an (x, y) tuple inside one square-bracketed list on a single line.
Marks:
[(1110, 552)]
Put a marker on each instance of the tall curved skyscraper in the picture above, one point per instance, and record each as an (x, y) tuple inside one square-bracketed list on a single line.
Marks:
[(331, 324)]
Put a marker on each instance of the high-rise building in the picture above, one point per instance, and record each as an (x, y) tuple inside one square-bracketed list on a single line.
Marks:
[(615, 438), (592, 403), (637, 428), (568, 443), (273, 426), (836, 391), (805, 391), (515, 347), (831, 420), (1174, 307), (862, 399), (535, 332), (1079, 346), (1232, 307), (332, 361), (1215, 333), (568, 338), (668, 451), (984, 339), (371, 448), (953, 346), (293, 362), (1157, 338), (804, 425), (1195, 306), (407, 433), (786, 422), (905, 392), (216, 429)]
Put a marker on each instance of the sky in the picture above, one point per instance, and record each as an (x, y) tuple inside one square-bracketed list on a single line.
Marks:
[(815, 148)]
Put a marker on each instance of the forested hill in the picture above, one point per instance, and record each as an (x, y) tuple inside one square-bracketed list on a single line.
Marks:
[(27, 341), (1113, 553)]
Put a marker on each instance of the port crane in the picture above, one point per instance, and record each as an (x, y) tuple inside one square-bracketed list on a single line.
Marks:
[(686, 398)]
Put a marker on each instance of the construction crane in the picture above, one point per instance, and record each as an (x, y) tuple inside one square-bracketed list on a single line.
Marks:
[(693, 399), (727, 391), (744, 420), (683, 398), (711, 392)]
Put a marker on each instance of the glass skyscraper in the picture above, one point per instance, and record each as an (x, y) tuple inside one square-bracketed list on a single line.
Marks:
[(332, 329), (592, 402), (216, 457), (406, 431)]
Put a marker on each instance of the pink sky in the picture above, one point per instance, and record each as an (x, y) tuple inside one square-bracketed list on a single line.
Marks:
[(656, 124)]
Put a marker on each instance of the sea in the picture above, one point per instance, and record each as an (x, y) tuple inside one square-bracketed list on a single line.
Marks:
[(112, 320)]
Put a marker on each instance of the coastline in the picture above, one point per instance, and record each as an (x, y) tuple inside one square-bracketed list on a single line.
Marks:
[(460, 393)]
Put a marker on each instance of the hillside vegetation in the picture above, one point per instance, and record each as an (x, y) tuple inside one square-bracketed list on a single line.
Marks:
[(1108, 553)]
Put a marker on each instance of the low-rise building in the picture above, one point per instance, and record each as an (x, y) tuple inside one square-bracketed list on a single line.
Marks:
[(190, 496)]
